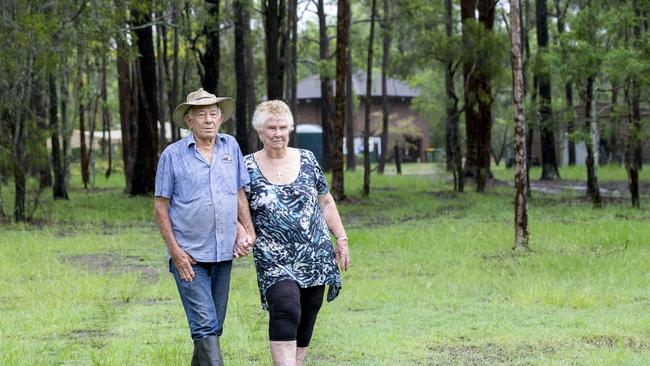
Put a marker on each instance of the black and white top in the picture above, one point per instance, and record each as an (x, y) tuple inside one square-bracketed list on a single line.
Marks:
[(293, 240)]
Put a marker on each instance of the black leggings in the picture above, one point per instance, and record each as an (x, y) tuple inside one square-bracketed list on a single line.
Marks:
[(293, 311)]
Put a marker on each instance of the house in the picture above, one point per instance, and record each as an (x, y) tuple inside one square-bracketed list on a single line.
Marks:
[(405, 126)]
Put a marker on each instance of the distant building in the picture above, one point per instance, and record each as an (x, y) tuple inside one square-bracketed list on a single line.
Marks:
[(405, 125)]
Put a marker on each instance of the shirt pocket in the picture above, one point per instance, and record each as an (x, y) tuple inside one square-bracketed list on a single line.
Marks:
[(229, 177), (188, 187)]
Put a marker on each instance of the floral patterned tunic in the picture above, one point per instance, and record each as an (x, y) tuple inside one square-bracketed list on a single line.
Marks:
[(293, 240)]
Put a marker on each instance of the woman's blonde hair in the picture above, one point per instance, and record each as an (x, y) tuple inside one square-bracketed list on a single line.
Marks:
[(271, 109)]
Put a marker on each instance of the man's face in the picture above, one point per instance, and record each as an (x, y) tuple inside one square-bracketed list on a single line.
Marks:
[(205, 121)]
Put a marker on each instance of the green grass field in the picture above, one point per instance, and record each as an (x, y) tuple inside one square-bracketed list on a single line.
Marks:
[(433, 281)]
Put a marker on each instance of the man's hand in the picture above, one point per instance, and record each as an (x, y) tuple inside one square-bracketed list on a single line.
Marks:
[(243, 242), (183, 263)]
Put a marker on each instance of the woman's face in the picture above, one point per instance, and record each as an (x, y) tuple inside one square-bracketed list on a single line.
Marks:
[(275, 133)]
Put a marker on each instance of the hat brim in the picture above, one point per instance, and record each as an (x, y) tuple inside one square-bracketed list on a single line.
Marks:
[(225, 104)]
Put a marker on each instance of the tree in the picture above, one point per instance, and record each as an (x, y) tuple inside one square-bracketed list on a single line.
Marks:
[(368, 99), (568, 86), (545, 112), (521, 208), (211, 57), (454, 155), (342, 31), (274, 18), (384, 92), (325, 86), (243, 68), (146, 150)]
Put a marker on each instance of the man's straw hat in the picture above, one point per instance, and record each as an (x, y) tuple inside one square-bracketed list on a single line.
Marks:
[(202, 97)]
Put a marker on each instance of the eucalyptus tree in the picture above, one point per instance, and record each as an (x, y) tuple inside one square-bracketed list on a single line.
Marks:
[(342, 32)]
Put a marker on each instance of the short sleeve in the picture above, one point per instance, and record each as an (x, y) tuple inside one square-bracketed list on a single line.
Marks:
[(242, 173), (164, 186), (319, 176)]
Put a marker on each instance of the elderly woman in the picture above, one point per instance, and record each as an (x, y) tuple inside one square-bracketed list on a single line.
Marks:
[(293, 214)]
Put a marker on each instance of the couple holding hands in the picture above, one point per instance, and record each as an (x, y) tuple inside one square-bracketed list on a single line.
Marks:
[(213, 205)]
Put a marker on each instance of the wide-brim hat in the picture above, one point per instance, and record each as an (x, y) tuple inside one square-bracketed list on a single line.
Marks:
[(202, 97)]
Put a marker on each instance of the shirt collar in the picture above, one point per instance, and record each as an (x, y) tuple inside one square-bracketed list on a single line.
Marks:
[(190, 139)]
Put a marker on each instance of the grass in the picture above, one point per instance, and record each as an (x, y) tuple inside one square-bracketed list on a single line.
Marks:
[(433, 282)]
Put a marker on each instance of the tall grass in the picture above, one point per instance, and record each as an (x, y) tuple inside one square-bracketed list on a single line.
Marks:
[(433, 281)]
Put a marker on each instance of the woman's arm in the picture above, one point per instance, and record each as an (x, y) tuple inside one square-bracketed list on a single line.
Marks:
[(333, 220)]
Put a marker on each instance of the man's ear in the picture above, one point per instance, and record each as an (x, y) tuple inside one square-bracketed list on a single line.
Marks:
[(187, 120)]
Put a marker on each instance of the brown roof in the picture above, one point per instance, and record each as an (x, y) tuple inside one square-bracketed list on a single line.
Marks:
[(309, 88)]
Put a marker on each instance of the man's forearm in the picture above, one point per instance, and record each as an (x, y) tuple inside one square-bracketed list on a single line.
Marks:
[(164, 223), (244, 214)]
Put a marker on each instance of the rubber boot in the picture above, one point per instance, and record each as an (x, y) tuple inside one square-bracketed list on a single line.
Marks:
[(207, 351)]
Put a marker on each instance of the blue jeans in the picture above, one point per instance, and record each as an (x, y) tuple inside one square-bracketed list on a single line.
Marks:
[(205, 298)]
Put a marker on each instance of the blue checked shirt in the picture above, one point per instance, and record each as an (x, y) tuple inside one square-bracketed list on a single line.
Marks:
[(202, 197)]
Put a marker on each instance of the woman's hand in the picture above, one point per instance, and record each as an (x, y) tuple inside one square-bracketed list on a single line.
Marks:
[(342, 253), (243, 242)]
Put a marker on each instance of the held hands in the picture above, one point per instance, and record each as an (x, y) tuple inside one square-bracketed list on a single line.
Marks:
[(243, 243), (342, 253), (183, 263)]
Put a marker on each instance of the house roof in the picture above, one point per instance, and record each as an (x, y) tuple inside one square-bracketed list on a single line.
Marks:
[(309, 88)]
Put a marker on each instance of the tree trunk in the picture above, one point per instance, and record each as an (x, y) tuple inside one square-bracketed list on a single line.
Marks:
[(521, 208), (127, 94), (161, 77), (81, 108), (454, 155), (384, 91), (146, 154), (470, 91), (211, 57), (342, 31), (66, 130), (544, 109), (368, 100), (591, 142), (241, 70), (486, 13), (568, 94), (39, 116), (292, 75), (325, 88), (349, 115), (273, 12), (106, 118), (631, 145), (58, 188), (398, 159), (173, 92), (253, 138)]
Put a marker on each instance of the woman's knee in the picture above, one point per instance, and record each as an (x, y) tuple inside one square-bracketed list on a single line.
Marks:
[(284, 311)]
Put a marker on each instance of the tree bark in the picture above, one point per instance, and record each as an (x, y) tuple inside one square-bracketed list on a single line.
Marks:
[(210, 59), (58, 188), (368, 99), (161, 78), (486, 13), (127, 94), (470, 91), (273, 12), (146, 154), (342, 31), (544, 109), (81, 108), (351, 163), (454, 155), (292, 75), (384, 92), (568, 95), (521, 208), (325, 88), (106, 119), (241, 70), (173, 92), (591, 142)]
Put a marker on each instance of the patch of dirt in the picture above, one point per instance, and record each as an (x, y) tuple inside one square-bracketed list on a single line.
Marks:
[(114, 263), (614, 341), (488, 354), (85, 334)]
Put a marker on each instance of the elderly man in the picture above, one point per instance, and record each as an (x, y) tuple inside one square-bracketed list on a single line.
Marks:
[(198, 201)]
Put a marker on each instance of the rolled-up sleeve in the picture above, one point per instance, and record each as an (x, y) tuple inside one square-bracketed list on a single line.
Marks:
[(164, 176), (242, 173)]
